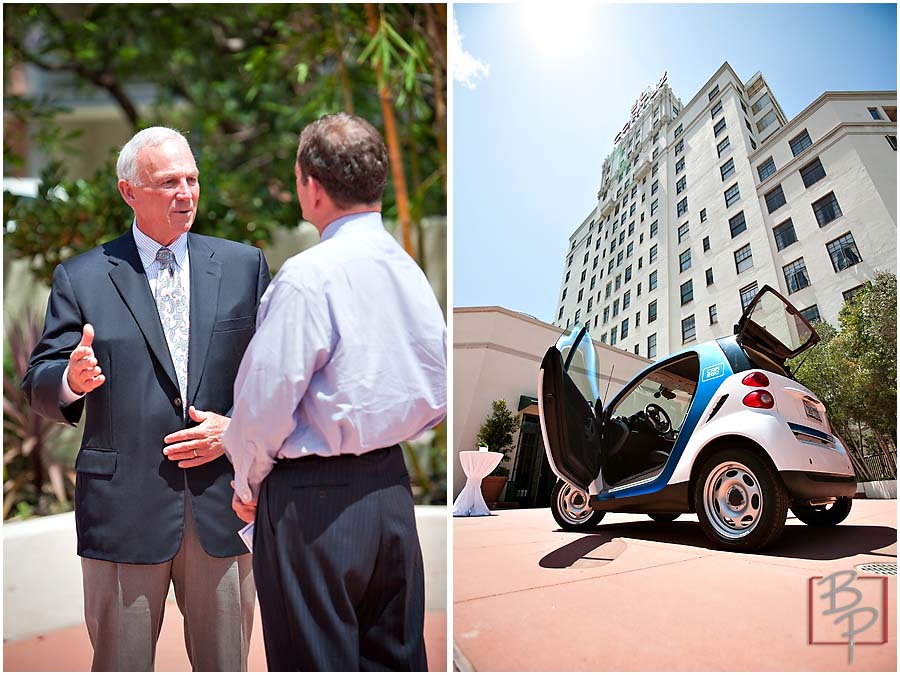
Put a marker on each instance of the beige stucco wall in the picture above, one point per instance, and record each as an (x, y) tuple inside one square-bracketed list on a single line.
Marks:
[(497, 353)]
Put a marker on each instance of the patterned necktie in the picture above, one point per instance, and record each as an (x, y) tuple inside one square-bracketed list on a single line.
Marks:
[(171, 303)]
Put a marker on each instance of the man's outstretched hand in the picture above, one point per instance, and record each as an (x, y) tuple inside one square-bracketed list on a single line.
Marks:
[(200, 444), (84, 373), (244, 511)]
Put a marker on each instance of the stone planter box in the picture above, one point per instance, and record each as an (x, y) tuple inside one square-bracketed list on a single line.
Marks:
[(880, 489)]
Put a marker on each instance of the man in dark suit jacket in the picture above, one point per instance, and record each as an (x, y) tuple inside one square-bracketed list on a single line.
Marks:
[(146, 333)]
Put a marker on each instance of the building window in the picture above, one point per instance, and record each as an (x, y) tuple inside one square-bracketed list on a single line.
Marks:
[(763, 101), (593, 281), (753, 144), (687, 292), (632, 209), (637, 319), (712, 94), (743, 259), (892, 141), (608, 290), (747, 295), (567, 277), (681, 207), (561, 310), (683, 231), (795, 275), (631, 228), (654, 228), (766, 169), (727, 168), (681, 185), (800, 142), (577, 315), (613, 335), (615, 308), (709, 277), (688, 329), (716, 109), (784, 234), (775, 199), (679, 148), (720, 127), (766, 120), (827, 209), (606, 314), (626, 299), (702, 215), (629, 250), (590, 304), (628, 274), (678, 131), (651, 312), (679, 165), (684, 260), (583, 275), (843, 252), (737, 224), (654, 187), (654, 250), (624, 333), (851, 293), (565, 290), (651, 346), (569, 264), (653, 280), (597, 259), (620, 258), (655, 169), (732, 195), (723, 146), (812, 173), (713, 315), (585, 259), (811, 314), (636, 347), (653, 206), (705, 244), (875, 114), (602, 337), (580, 294)]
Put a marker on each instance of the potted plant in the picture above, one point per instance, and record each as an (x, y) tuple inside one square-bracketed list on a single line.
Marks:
[(497, 434)]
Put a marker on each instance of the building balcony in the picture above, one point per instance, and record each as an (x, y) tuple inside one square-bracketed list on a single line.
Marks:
[(607, 206), (642, 169)]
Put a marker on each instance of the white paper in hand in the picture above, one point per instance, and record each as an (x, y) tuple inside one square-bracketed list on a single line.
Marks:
[(246, 534)]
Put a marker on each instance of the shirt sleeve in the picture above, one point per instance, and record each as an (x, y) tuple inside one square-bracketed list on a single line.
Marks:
[(293, 339), (66, 395)]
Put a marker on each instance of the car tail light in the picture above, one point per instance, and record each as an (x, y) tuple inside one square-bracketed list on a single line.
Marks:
[(759, 399), (756, 380)]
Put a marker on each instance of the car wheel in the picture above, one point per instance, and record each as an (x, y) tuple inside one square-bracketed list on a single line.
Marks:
[(740, 500), (824, 516), (663, 517), (571, 508)]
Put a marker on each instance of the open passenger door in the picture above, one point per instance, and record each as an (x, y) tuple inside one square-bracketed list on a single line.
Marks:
[(570, 408)]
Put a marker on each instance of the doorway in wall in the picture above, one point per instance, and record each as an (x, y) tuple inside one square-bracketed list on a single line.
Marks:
[(532, 478)]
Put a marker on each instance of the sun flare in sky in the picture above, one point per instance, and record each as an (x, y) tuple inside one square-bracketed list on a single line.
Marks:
[(556, 27)]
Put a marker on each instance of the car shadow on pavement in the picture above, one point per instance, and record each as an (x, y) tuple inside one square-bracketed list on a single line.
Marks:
[(798, 541)]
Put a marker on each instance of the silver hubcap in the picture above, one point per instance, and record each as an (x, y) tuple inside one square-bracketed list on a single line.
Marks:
[(733, 500), (573, 504)]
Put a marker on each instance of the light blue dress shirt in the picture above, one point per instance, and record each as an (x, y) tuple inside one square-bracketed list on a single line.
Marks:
[(349, 355)]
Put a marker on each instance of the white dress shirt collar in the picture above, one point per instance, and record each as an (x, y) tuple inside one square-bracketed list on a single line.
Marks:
[(147, 247), (367, 219)]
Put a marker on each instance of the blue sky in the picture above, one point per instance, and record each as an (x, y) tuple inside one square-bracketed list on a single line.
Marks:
[(550, 85)]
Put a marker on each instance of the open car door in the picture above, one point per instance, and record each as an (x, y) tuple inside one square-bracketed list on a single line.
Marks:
[(775, 328), (570, 408)]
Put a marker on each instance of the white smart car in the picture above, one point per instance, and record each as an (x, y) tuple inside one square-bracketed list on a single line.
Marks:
[(719, 428)]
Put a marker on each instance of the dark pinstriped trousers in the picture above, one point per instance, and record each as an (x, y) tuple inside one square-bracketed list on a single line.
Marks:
[(338, 567)]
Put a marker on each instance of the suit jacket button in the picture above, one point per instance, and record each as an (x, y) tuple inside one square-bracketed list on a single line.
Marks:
[(177, 402)]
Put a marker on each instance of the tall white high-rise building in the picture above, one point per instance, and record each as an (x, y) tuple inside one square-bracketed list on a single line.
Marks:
[(702, 204)]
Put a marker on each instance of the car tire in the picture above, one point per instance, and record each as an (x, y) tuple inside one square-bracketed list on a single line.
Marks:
[(571, 508), (824, 516), (740, 500), (663, 517)]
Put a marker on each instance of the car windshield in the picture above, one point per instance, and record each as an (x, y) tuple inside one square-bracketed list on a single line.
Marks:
[(583, 367)]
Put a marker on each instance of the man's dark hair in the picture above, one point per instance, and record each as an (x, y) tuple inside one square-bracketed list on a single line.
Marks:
[(347, 156)]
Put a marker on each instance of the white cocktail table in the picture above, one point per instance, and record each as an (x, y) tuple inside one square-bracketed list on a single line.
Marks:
[(476, 465)]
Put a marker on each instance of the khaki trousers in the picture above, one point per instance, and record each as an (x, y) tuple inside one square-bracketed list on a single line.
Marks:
[(124, 606)]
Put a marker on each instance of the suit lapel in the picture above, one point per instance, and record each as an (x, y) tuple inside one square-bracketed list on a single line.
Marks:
[(206, 273), (130, 280)]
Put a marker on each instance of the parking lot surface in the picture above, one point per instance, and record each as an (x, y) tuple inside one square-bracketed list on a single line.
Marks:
[(639, 595)]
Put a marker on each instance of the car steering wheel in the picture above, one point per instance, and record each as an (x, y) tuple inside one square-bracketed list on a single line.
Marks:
[(659, 419)]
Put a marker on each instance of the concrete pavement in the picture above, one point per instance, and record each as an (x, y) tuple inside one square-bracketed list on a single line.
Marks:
[(640, 595)]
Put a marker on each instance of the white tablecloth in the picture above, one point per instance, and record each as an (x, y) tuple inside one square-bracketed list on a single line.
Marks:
[(476, 465)]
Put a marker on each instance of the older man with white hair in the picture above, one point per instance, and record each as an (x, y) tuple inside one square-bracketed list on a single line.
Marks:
[(145, 333)]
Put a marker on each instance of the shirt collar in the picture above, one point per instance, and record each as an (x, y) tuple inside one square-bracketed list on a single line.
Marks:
[(367, 220), (147, 247)]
